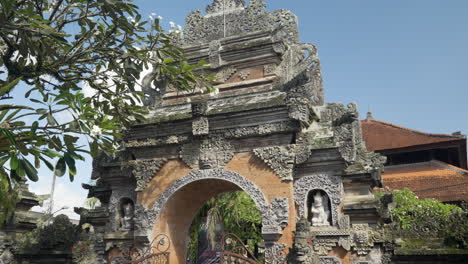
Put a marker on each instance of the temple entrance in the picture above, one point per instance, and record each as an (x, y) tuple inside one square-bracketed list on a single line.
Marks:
[(194, 217), (227, 227)]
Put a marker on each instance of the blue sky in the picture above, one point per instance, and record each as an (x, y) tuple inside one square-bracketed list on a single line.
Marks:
[(405, 60)]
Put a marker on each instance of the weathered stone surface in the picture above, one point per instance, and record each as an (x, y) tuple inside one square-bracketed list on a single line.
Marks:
[(145, 170)]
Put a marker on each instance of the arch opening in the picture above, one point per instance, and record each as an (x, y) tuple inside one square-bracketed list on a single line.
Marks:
[(177, 206)]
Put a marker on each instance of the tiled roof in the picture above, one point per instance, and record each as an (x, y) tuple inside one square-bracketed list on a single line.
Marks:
[(432, 179), (380, 135)]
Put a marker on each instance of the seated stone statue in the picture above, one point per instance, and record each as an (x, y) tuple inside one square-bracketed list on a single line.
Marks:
[(126, 222), (320, 211)]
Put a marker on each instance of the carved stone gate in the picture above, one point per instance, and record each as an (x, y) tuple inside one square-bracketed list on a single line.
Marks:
[(267, 131)]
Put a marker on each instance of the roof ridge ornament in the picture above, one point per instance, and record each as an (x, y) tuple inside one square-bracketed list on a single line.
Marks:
[(222, 6)]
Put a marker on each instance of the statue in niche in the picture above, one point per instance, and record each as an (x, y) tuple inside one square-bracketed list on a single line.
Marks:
[(127, 216), (319, 209)]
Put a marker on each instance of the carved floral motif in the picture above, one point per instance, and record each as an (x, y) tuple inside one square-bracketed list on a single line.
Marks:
[(145, 170), (279, 158)]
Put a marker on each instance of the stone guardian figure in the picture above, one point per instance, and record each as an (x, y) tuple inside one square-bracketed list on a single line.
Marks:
[(127, 217), (320, 211)]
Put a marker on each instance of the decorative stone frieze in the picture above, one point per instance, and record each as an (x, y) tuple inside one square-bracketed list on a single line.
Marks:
[(225, 74), (145, 170), (279, 158), (207, 153), (260, 130), (328, 183)]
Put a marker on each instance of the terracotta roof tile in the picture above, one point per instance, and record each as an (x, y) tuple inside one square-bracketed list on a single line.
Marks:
[(433, 179), (380, 135)]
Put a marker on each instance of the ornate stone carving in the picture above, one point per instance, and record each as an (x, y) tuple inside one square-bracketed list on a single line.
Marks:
[(279, 158), (263, 129), (330, 260), (145, 170), (279, 212), (274, 253), (114, 205), (225, 74), (303, 82), (142, 221), (224, 6), (200, 126), (330, 184), (344, 222), (320, 211), (243, 75), (214, 53), (269, 69), (348, 137), (128, 214), (207, 153), (362, 243), (247, 186), (236, 20), (344, 242), (323, 245)]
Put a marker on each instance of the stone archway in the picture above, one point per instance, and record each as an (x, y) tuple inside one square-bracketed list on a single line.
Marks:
[(172, 213)]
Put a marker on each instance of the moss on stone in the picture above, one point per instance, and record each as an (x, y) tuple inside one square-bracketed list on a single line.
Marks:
[(166, 118)]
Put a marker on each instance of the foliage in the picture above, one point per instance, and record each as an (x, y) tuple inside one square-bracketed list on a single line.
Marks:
[(92, 202), (240, 216), (415, 218), (49, 51)]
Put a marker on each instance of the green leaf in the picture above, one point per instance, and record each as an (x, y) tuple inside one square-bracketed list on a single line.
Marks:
[(14, 162), (31, 172), (3, 113), (47, 163), (60, 167), (34, 127), (9, 86)]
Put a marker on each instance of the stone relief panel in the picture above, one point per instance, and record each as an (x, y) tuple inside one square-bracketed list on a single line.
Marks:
[(145, 170), (279, 212), (207, 153), (330, 184)]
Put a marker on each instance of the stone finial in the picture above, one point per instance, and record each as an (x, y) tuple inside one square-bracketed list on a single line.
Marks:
[(369, 116)]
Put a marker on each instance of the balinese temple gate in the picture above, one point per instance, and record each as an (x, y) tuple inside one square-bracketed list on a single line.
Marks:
[(267, 132)]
